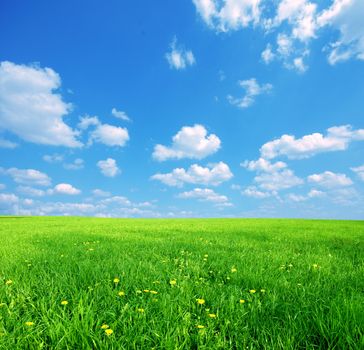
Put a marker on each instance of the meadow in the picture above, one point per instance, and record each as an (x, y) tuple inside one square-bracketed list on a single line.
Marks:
[(88, 283)]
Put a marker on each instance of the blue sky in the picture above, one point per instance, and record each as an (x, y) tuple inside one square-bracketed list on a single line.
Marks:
[(195, 108)]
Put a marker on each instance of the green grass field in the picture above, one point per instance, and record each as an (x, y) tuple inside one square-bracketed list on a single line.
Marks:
[(181, 284)]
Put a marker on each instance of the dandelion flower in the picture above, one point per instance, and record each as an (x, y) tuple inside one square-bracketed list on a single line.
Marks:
[(206, 256), (212, 315), (116, 280), (108, 332), (146, 290), (64, 302), (199, 326), (234, 270), (121, 294), (172, 282), (315, 266), (104, 326), (252, 291), (262, 290), (241, 301), (200, 301), (141, 310), (153, 292), (138, 291), (29, 324), (9, 282)]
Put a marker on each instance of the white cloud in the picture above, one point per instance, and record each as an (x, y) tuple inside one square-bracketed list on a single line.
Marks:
[(53, 158), (345, 16), (30, 191), (229, 14), (77, 164), (110, 135), (252, 90), (279, 180), (268, 55), (87, 121), (295, 22), (359, 171), (189, 142), (263, 165), (315, 193), (120, 115), (31, 108), (253, 191), (8, 198), (7, 144), (213, 174), (108, 167), (64, 189), (329, 179), (206, 195), (337, 139), (119, 200), (296, 197), (179, 58), (27, 176), (100, 193)]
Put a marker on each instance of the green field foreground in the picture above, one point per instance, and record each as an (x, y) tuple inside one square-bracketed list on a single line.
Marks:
[(87, 283)]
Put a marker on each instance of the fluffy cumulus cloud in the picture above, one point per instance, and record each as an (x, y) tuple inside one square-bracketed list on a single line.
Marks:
[(214, 174), (263, 165), (253, 191), (359, 171), (190, 142), (336, 139), (206, 195), (27, 176), (108, 167), (106, 134), (178, 57), (64, 188), (31, 107), (120, 115), (252, 89), (279, 180), (229, 14), (53, 158), (293, 24), (330, 180)]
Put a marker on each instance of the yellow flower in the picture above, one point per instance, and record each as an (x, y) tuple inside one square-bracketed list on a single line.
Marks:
[(116, 280), (212, 315), (315, 266), (199, 326), (108, 332), (172, 282), (105, 326), (64, 302), (206, 256), (252, 291), (141, 310), (153, 292), (234, 270), (138, 291), (146, 290), (200, 301), (241, 301), (121, 294), (9, 282), (262, 290), (29, 324)]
